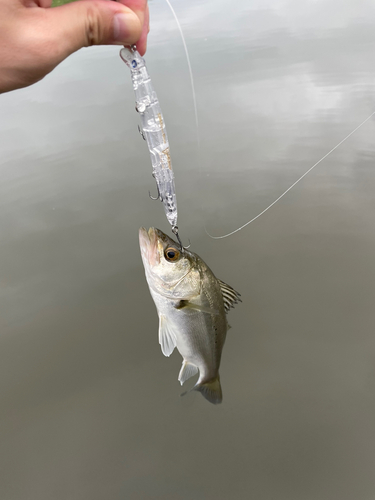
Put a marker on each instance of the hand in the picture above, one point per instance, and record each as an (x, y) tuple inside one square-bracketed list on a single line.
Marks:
[(34, 38)]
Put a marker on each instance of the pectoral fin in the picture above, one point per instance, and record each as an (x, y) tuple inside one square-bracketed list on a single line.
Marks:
[(187, 370), (167, 339), (186, 304)]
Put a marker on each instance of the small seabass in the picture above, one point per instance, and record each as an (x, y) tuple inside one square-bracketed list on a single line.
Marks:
[(192, 305)]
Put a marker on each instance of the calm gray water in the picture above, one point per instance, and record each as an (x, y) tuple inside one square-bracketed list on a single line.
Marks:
[(90, 408)]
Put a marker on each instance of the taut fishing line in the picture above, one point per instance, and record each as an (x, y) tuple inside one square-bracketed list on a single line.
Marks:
[(292, 186), (189, 65), (294, 183)]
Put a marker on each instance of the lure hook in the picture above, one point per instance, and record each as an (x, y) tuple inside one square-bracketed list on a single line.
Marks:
[(141, 132), (154, 198), (159, 197), (175, 232)]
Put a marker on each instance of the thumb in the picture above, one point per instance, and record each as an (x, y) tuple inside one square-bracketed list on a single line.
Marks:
[(37, 39), (91, 22)]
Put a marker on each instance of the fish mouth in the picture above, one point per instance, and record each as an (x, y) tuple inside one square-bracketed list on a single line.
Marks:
[(149, 245)]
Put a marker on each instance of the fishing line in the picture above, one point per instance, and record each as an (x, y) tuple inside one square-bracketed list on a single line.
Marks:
[(198, 139), (292, 186), (189, 65)]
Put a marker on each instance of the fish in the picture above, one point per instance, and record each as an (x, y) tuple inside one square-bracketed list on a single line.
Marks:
[(192, 305)]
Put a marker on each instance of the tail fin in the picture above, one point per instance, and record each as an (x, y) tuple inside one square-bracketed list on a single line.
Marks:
[(211, 390)]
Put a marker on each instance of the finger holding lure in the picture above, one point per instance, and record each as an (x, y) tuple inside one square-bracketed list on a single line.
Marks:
[(154, 133)]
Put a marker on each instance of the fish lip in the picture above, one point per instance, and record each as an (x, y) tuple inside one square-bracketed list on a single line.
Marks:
[(152, 234)]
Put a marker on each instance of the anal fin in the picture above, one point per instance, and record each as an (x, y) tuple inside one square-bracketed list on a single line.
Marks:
[(187, 370)]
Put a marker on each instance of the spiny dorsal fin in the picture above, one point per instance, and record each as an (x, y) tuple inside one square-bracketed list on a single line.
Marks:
[(230, 296)]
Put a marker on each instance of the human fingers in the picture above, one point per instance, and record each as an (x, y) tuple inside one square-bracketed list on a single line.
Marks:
[(92, 22), (140, 6), (33, 40), (44, 3), (142, 42)]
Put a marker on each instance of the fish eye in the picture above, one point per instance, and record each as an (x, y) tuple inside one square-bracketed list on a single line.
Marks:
[(171, 254)]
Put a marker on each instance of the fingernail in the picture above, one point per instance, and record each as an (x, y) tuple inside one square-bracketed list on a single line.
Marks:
[(123, 27)]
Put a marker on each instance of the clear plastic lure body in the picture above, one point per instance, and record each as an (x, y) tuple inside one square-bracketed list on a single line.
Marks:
[(153, 131)]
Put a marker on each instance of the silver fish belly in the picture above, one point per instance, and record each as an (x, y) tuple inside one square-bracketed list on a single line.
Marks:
[(192, 305)]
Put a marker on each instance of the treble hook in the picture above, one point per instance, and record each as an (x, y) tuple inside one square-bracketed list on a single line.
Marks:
[(153, 198), (159, 197), (141, 132), (175, 232)]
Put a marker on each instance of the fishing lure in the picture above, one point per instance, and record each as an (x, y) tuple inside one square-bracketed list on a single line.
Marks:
[(154, 133)]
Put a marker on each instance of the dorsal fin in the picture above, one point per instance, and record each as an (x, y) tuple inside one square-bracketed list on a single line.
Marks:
[(230, 296)]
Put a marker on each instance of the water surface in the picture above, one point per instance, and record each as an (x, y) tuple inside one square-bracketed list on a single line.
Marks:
[(90, 408)]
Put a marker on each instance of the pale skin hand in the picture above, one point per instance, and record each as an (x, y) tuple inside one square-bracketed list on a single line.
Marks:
[(35, 38)]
